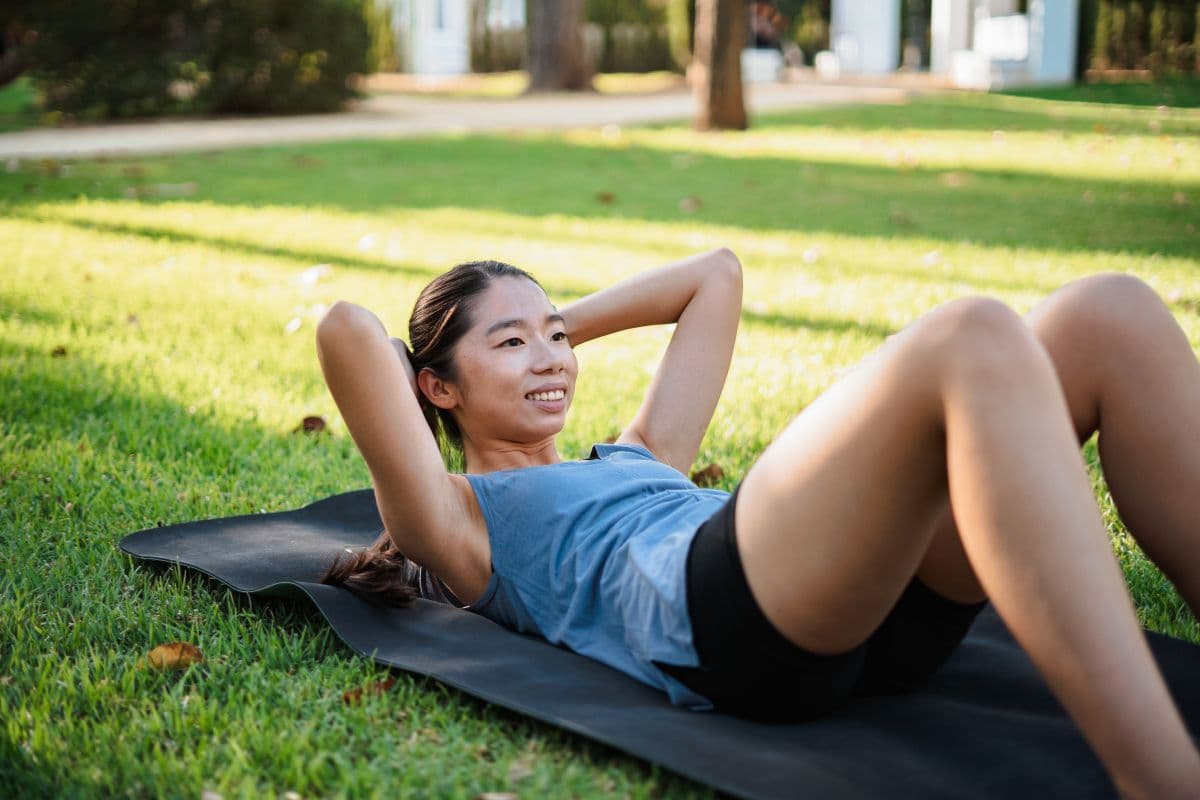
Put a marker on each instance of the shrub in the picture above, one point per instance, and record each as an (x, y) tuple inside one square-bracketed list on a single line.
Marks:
[(122, 58)]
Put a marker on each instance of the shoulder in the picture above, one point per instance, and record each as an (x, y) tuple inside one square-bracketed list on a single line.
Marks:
[(632, 437)]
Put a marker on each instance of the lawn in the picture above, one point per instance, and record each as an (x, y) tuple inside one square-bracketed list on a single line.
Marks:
[(18, 105), (156, 355)]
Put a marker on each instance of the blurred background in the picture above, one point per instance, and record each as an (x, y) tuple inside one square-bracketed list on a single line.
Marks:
[(96, 59)]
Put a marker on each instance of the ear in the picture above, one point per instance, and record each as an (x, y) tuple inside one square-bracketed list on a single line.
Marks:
[(439, 392)]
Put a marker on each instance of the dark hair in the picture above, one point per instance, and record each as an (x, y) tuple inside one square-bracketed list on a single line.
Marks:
[(379, 573), (441, 316)]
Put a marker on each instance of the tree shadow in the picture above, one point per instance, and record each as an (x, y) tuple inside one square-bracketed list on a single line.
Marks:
[(559, 288), (1035, 111), (544, 178)]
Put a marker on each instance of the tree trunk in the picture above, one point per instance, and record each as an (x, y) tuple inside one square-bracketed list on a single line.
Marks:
[(555, 38), (717, 64)]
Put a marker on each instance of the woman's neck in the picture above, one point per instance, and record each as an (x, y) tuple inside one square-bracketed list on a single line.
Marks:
[(497, 455)]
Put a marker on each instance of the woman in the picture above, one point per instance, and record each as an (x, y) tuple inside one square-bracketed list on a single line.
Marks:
[(836, 567)]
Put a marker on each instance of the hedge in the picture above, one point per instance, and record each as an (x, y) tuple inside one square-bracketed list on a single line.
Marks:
[(123, 58)]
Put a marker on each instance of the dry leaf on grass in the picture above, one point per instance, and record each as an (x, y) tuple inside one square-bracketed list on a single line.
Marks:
[(173, 655), (58, 352), (690, 204), (606, 198), (708, 475), (355, 696), (954, 180), (311, 425), (521, 768)]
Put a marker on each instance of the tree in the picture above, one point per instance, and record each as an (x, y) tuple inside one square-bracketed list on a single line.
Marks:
[(717, 64), (556, 57)]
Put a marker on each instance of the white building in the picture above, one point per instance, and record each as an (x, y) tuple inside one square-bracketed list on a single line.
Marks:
[(979, 44), (433, 37)]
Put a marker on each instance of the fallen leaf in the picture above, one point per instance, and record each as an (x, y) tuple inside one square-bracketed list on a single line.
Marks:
[(901, 219), (690, 204), (1179, 199), (310, 424), (173, 189), (173, 655), (606, 198), (520, 768), (708, 476), (132, 320), (58, 352), (302, 160), (496, 796), (954, 180), (354, 696)]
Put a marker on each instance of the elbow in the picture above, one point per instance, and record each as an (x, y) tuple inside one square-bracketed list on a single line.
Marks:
[(729, 263), (339, 316), (729, 268)]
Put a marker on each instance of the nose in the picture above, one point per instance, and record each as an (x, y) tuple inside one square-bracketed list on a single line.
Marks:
[(550, 357)]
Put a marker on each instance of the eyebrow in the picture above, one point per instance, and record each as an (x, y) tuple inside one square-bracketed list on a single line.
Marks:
[(520, 323)]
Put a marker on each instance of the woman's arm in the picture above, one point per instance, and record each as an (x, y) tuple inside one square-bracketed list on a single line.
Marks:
[(372, 382), (702, 294)]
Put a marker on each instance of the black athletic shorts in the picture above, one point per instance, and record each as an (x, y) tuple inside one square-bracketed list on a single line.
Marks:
[(749, 669)]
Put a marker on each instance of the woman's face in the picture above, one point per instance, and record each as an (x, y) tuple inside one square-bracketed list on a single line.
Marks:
[(516, 369)]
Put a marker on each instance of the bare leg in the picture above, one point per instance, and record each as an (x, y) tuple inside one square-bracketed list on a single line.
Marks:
[(967, 398), (1128, 370)]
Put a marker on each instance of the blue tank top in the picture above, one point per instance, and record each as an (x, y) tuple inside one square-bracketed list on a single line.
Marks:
[(591, 555)]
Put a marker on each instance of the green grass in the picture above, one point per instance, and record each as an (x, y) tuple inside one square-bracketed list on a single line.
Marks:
[(18, 105), (1181, 92), (172, 285)]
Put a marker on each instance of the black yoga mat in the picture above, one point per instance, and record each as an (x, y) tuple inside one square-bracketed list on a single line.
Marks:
[(985, 727)]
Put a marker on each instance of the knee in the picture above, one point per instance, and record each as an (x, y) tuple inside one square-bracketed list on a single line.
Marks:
[(1111, 307), (980, 339)]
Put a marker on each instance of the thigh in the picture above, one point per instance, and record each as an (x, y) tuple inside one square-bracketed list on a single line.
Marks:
[(836, 513), (746, 667)]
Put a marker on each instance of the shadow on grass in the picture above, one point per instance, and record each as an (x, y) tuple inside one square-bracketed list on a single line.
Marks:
[(1070, 110), (558, 289), (542, 178), (1181, 92)]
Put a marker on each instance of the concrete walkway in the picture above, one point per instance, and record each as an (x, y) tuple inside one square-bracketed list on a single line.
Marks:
[(384, 116)]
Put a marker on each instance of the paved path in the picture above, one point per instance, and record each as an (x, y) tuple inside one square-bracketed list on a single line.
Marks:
[(385, 116)]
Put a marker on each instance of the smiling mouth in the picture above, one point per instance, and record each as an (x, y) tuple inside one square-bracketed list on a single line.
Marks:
[(557, 394)]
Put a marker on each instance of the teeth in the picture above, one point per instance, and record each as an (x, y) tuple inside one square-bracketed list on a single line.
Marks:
[(557, 394)]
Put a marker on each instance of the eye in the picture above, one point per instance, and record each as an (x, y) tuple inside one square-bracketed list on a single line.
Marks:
[(563, 334), (514, 339)]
